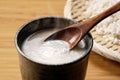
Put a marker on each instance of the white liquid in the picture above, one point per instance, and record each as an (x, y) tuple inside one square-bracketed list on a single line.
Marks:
[(54, 52)]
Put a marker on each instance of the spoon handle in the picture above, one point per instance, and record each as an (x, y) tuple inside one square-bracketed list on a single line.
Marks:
[(90, 23)]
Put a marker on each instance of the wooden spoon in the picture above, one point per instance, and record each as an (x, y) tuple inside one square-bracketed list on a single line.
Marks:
[(74, 33)]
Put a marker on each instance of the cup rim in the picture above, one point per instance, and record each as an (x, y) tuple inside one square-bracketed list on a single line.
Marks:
[(21, 52)]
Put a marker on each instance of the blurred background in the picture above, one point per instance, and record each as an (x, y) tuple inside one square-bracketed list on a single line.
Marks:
[(14, 13)]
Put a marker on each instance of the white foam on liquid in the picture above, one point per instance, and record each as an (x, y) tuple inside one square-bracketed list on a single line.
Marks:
[(53, 52)]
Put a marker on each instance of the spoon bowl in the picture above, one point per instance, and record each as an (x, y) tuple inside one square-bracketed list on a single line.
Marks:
[(70, 35), (74, 33)]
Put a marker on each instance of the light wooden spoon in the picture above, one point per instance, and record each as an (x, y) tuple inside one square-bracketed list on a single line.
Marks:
[(74, 33)]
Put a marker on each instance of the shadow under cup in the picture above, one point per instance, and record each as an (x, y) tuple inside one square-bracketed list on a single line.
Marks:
[(32, 70)]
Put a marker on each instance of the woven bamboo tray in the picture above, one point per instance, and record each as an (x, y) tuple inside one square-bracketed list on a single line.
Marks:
[(73, 10)]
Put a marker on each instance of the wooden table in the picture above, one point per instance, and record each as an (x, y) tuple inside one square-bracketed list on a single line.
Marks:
[(14, 13)]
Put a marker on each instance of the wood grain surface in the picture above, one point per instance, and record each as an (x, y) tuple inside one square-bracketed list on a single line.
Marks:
[(14, 13)]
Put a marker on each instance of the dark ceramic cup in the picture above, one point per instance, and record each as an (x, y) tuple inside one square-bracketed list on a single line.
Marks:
[(32, 70)]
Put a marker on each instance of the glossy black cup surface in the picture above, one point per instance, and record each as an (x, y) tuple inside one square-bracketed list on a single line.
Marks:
[(32, 70)]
